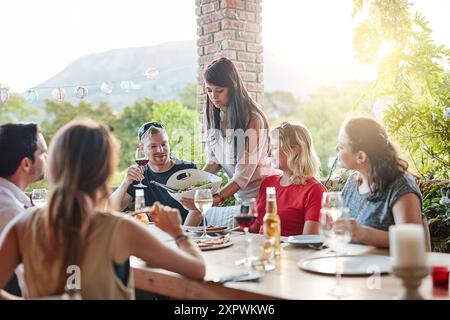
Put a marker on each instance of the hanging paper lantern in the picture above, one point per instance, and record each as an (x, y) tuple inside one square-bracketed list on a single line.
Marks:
[(151, 73), (59, 94), (31, 95), (125, 86), (107, 87), (80, 92), (4, 94)]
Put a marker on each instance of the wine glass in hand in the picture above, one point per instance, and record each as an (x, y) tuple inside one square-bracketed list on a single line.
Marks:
[(141, 161), (203, 200)]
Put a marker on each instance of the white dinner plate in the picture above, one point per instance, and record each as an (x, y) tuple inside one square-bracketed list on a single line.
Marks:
[(199, 230), (217, 246), (350, 265), (306, 240)]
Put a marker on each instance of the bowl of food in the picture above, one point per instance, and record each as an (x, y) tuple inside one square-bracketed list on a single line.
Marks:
[(186, 181)]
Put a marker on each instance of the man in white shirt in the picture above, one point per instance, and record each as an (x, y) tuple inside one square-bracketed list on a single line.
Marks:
[(23, 161)]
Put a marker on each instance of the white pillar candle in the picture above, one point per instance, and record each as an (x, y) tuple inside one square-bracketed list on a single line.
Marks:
[(407, 245)]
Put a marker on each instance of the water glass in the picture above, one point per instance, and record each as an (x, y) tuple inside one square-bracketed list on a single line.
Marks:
[(39, 197), (335, 228)]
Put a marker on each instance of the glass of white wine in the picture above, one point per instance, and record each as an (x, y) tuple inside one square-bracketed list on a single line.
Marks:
[(203, 200), (39, 197)]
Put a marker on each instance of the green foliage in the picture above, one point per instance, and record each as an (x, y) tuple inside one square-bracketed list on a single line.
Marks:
[(41, 184), (324, 112), (280, 103), (17, 110), (188, 96), (60, 113), (183, 129), (179, 122), (411, 74), (126, 130), (437, 211)]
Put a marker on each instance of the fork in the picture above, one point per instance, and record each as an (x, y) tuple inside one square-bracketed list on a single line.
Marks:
[(163, 186)]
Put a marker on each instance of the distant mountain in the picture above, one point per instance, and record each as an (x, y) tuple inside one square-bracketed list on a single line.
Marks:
[(177, 65)]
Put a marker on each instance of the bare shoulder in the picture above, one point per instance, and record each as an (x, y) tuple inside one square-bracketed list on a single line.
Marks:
[(132, 230), (408, 199), (19, 223), (127, 225), (15, 229), (407, 209)]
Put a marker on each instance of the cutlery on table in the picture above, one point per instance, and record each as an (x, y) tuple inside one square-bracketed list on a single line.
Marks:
[(242, 276), (163, 186)]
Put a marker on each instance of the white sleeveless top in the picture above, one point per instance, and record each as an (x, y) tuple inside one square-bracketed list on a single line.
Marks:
[(243, 156)]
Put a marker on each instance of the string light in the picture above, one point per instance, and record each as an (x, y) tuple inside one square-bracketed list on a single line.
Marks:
[(59, 94), (31, 95), (107, 88), (125, 86), (151, 73), (4, 94), (80, 92)]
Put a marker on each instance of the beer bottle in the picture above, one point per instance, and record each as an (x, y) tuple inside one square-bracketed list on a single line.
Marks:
[(271, 221), (139, 205)]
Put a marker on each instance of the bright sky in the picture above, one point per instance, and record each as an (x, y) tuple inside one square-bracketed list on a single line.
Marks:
[(41, 37)]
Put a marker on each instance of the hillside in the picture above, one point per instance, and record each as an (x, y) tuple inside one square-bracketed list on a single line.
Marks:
[(177, 65)]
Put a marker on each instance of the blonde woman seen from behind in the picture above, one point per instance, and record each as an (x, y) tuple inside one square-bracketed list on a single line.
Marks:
[(72, 232), (298, 190)]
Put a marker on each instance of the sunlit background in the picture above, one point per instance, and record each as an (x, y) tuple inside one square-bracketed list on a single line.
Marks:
[(40, 38), (311, 74)]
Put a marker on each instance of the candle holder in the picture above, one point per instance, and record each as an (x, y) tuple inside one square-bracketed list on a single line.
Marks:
[(411, 281)]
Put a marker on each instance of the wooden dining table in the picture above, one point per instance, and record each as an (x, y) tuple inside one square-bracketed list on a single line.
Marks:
[(287, 281)]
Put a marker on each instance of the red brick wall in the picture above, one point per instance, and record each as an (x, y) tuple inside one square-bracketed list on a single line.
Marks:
[(231, 28)]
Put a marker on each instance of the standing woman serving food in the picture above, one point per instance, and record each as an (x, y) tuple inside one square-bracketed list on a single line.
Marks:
[(236, 134)]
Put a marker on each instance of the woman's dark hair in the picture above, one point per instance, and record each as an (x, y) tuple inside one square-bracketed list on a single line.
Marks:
[(366, 134), (223, 73), (17, 141)]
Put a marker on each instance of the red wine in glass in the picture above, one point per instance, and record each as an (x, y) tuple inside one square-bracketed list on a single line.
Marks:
[(142, 162), (245, 220)]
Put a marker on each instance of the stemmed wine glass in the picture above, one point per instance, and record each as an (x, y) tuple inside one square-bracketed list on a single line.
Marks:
[(335, 228), (39, 197), (141, 160), (245, 218), (203, 200)]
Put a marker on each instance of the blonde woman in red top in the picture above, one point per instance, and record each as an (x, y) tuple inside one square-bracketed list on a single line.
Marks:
[(298, 190)]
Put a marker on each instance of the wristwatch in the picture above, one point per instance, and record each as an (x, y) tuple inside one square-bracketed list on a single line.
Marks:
[(221, 199)]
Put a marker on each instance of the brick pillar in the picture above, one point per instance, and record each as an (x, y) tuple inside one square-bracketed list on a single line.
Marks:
[(231, 28)]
